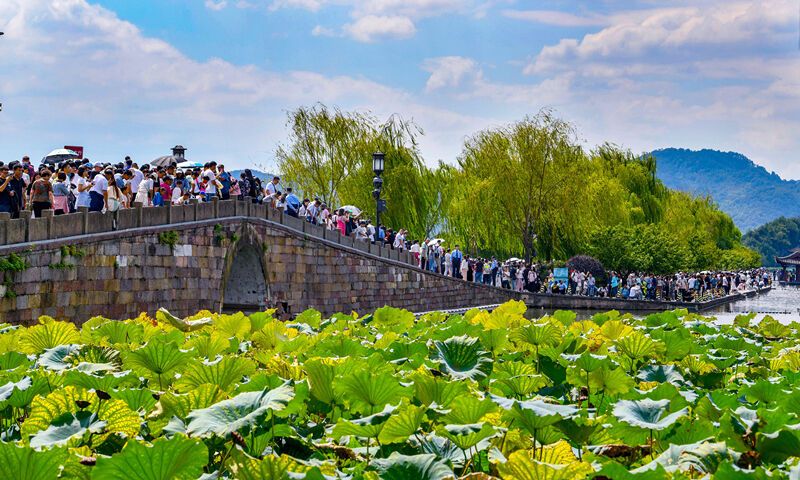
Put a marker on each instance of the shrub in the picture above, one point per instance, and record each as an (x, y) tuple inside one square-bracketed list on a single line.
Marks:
[(585, 263)]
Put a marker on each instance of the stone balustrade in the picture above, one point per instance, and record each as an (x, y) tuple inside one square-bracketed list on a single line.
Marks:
[(28, 230)]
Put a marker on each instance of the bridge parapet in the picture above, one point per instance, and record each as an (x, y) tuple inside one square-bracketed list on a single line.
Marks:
[(27, 230)]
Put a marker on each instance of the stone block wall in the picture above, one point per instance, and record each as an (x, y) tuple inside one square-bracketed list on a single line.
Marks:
[(119, 274)]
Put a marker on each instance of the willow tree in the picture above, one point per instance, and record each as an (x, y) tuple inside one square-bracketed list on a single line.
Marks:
[(326, 148), (519, 189), (330, 156)]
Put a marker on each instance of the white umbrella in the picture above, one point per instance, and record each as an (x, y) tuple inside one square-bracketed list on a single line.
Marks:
[(59, 155), (438, 240), (186, 164), (513, 260), (352, 209)]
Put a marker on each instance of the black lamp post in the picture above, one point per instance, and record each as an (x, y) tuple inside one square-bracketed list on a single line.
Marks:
[(377, 183)]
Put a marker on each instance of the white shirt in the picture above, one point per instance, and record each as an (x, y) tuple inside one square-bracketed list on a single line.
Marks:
[(211, 187), (177, 196), (272, 189), (83, 199), (100, 184), (138, 176)]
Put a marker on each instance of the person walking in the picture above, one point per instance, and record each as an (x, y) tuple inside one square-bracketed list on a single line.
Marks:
[(42, 194), (456, 257)]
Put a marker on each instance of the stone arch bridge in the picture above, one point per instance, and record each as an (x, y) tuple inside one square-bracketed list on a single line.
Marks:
[(230, 255)]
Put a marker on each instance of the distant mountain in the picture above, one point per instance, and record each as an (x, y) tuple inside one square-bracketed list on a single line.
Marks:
[(256, 173), (747, 192), (776, 238)]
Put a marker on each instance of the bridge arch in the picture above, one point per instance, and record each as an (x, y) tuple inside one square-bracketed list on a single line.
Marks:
[(244, 285)]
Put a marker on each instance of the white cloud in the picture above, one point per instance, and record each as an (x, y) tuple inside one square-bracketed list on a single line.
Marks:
[(85, 77), (374, 20), (558, 18), (713, 74), (449, 71), (370, 28), (216, 5), (320, 31), (311, 5)]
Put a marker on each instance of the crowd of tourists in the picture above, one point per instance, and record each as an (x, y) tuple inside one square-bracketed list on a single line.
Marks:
[(69, 185), (72, 184)]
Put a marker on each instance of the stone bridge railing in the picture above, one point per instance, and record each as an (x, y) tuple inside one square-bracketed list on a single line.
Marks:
[(27, 230)]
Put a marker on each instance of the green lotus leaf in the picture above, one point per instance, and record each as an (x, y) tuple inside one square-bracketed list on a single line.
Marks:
[(159, 360), (467, 436), (469, 409), (181, 405), (494, 340), (366, 427), (182, 324), (537, 334), (444, 449), (703, 457), (777, 447), (429, 389), (518, 379), (393, 319), (176, 458), (22, 398), (647, 413), (661, 374), (241, 411), (67, 427), (462, 357), (369, 392), (321, 373), (139, 400), (535, 414), (8, 389), (418, 467), (310, 317), (237, 325), (588, 362), (119, 333), (636, 345), (104, 382), (520, 466), (56, 358), (223, 372), (612, 381), (402, 424), (24, 463), (12, 360), (48, 335)]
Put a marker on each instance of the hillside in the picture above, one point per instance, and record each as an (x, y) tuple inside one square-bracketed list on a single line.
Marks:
[(749, 193), (776, 238), (256, 173)]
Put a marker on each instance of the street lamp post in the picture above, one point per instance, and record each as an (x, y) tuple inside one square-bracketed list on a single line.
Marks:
[(377, 183)]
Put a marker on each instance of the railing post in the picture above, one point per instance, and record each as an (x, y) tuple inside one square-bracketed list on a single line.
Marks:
[(84, 219), (169, 212), (26, 215), (215, 202), (48, 214), (139, 214), (5, 217)]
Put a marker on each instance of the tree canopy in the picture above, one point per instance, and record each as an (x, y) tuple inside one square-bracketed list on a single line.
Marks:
[(525, 189)]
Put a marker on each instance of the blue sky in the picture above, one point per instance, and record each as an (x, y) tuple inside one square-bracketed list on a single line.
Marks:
[(136, 77)]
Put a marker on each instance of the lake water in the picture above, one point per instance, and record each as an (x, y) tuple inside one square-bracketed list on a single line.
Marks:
[(782, 303)]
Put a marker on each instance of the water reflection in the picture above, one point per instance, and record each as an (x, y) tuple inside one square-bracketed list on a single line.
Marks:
[(783, 303)]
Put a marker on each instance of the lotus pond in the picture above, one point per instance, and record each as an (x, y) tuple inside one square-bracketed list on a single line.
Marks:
[(386, 395)]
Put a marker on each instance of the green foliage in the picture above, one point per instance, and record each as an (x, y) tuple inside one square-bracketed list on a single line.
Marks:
[(388, 395), (774, 239), (541, 193), (169, 238)]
